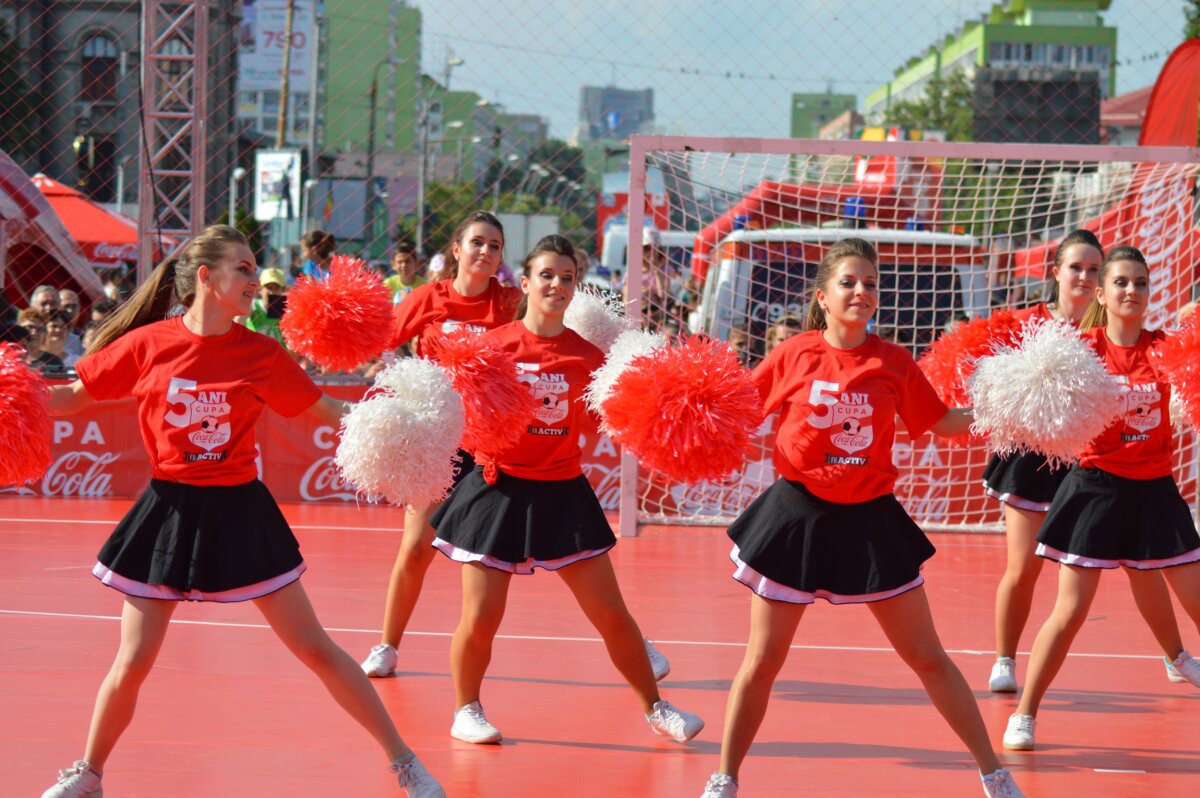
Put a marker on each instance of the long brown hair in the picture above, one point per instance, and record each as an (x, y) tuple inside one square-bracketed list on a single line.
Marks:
[(555, 244), (1096, 315), (845, 248), (173, 280), (450, 270), (1081, 236)]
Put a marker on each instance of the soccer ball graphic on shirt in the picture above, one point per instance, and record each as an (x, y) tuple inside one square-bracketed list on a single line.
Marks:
[(1142, 410)]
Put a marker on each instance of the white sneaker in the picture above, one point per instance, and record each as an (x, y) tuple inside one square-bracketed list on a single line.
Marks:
[(77, 781), (471, 726), (1001, 785), (667, 721), (658, 663), (1019, 734), (1172, 674), (415, 779), (1004, 676), (720, 786), (1187, 669), (381, 661)]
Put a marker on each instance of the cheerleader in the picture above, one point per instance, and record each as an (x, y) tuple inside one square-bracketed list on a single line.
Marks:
[(531, 507), (206, 529), (1120, 506), (830, 528), (1025, 484), (466, 298)]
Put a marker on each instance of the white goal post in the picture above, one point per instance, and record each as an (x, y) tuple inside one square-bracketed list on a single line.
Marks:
[(962, 230)]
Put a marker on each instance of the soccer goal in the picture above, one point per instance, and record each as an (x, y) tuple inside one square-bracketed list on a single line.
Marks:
[(961, 230)]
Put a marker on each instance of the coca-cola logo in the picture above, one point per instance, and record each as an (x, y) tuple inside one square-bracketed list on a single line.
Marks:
[(606, 482), (1163, 212), (927, 500), (80, 474), (727, 498), (106, 251), (323, 482)]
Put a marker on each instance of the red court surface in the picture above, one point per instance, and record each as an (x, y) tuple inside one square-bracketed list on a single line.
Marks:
[(229, 714)]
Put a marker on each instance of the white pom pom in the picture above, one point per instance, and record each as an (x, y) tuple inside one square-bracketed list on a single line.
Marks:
[(629, 345), (400, 443), (1050, 393), (598, 319)]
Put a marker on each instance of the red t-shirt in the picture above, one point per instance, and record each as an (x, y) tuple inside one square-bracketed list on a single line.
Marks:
[(1038, 311), (1138, 445), (838, 417), (557, 371), (436, 309), (199, 397)]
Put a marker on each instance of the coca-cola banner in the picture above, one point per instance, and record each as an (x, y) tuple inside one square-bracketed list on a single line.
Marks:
[(98, 453)]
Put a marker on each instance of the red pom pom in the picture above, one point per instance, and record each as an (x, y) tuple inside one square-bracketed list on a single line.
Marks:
[(950, 360), (498, 406), (25, 425), (687, 411), (340, 322), (1178, 359)]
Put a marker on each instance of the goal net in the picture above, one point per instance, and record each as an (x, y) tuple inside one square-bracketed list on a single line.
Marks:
[(739, 226)]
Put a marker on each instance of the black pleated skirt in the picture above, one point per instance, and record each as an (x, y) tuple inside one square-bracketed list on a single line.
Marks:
[(840, 552), (201, 543), (1101, 520), (1023, 480), (523, 520)]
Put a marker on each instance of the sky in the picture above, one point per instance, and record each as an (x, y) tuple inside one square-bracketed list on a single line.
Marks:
[(722, 68)]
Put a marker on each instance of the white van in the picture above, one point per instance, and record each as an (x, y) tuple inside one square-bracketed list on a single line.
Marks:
[(677, 243), (755, 277)]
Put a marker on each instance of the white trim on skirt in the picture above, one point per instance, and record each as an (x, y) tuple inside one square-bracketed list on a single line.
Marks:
[(1066, 558), (525, 567), (132, 587), (1016, 501), (770, 589)]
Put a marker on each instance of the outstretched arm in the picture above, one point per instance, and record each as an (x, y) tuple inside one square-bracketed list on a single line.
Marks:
[(330, 410), (68, 399), (957, 421)]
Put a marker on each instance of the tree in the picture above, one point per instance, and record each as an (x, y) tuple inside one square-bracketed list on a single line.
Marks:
[(1191, 19), (18, 133), (946, 106)]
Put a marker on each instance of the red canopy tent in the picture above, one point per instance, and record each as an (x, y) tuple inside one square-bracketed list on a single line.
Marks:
[(107, 240)]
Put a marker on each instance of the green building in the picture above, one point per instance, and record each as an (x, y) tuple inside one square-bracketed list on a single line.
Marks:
[(358, 50), (1046, 34), (811, 112)]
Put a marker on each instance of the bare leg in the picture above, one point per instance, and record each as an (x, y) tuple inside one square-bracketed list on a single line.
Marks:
[(595, 587), (908, 624), (143, 628), (772, 628), (408, 573), (1185, 581), (291, 616), (485, 594), (1154, 603), (1014, 594), (1076, 589)]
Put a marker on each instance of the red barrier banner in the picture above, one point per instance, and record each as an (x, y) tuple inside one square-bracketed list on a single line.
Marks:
[(98, 453)]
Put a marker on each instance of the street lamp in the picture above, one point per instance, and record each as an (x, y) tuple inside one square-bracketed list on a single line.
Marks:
[(235, 177), (423, 145), (505, 168), (306, 200), (369, 203)]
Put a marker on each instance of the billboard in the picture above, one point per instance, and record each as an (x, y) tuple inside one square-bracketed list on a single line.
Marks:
[(260, 52), (277, 184)]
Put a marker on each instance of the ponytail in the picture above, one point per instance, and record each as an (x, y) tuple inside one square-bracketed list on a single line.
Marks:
[(173, 281)]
